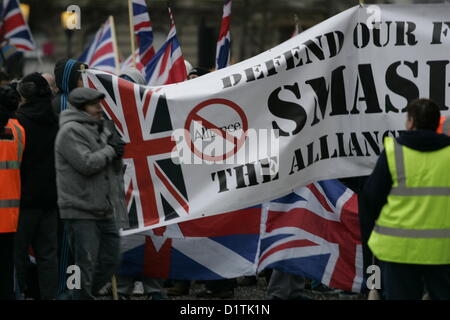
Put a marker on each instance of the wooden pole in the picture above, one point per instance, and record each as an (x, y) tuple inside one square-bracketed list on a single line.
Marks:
[(132, 36), (114, 288), (115, 47)]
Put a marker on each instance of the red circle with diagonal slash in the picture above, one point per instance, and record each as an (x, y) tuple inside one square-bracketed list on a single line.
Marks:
[(193, 115)]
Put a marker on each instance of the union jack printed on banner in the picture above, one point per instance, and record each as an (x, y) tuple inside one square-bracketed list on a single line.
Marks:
[(224, 41), (143, 31), (313, 232), (101, 53), (167, 66), (14, 28), (154, 185)]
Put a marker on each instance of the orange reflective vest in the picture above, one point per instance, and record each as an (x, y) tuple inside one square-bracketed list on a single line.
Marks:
[(444, 125), (11, 151)]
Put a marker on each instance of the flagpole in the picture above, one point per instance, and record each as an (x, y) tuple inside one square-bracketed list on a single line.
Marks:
[(115, 47), (133, 45)]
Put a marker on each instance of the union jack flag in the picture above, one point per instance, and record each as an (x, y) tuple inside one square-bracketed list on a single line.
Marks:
[(143, 31), (224, 42), (154, 185), (101, 53), (313, 232), (14, 29), (167, 66)]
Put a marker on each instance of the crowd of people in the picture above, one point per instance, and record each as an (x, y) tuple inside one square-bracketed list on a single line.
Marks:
[(62, 199)]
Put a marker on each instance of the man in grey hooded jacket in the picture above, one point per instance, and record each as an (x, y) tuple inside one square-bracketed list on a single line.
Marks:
[(85, 150)]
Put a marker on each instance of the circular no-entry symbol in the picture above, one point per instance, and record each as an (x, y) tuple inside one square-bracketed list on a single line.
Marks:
[(213, 119)]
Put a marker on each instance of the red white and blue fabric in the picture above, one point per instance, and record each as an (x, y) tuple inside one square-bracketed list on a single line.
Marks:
[(143, 31), (167, 66), (154, 185), (224, 42), (313, 232), (14, 29), (129, 63), (100, 52)]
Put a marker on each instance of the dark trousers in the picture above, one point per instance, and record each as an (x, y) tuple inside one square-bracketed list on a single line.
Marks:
[(37, 229), (7, 266), (408, 281), (95, 245)]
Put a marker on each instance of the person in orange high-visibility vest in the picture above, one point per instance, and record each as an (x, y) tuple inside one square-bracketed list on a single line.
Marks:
[(12, 144)]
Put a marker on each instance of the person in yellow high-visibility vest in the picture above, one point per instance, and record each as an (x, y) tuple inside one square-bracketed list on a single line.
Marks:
[(408, 200)]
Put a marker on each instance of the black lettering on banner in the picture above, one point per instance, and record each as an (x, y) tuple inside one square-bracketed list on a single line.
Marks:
[(365, 77), (438, 82), (374, 144), (221, 175), (401, 33), (362, 33), (400, 85), (437, 32), (353, 144), (287, 110), (377, 34)]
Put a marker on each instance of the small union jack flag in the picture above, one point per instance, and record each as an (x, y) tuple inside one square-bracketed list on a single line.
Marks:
[(224, 42), (167, 66), (101, 53), (143, 31), (14, 29)]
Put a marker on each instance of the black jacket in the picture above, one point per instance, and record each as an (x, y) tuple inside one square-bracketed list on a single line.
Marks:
[(37, 172), (379, 184)]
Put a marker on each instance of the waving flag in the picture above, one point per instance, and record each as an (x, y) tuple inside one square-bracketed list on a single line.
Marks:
[(14, 29), (143, 31), (313, 232), (224, 42), (102, 54), (167, 66)]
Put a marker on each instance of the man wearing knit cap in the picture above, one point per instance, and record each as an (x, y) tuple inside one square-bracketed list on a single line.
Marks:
[(68, 77), (85, 150)]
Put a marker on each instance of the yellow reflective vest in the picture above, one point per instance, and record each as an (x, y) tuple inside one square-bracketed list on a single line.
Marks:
[(414, 224)]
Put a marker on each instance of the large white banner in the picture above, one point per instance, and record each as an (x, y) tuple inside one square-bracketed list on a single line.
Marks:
[(330, 95)]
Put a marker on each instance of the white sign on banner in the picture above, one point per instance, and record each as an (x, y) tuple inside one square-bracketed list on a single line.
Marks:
[(315, 107)]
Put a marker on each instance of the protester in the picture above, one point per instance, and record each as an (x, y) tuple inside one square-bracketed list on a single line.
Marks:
[(197, 72), (68, 77), (407, 208), (51, 82), (285, 286), (38, 215), (85, 150), (12, 144)]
